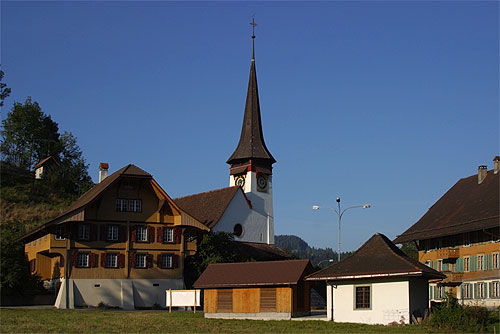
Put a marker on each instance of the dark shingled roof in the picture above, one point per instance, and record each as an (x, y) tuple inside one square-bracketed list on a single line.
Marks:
[(378, 257), (253, 251), (251, 144), (247, 274), (208, 207), (467, 206)]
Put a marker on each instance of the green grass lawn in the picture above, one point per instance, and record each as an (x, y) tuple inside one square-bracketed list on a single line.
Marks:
[(20, 320)]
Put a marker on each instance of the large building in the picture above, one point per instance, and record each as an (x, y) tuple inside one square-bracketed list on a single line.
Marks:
[(460, 237), (123, 243)]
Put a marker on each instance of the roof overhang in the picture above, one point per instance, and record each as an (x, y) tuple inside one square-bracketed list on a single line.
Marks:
[(367, 276)]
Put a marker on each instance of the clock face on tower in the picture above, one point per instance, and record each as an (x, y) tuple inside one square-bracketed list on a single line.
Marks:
[(239, 181), (261, 182)]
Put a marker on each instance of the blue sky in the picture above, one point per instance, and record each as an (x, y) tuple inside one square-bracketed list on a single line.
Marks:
[(387, 103)]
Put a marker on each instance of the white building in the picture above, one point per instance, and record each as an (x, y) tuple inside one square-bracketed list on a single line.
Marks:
[(378, 284)]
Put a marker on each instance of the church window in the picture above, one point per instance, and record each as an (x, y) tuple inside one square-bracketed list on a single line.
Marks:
[(238, 230)]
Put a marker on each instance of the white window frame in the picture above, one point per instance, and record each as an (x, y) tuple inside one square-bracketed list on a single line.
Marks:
[(168, 235), (140, 260), (111, 260), (441, 292), (83, 232), (480, 290), (480, 262), (466, 264), (121, 205), (141, 234), (60, 233), (439, 265), (82, 260), (495, 258), (495, 289), (135, 205), (466, 290), (167, 261), (112, 233)]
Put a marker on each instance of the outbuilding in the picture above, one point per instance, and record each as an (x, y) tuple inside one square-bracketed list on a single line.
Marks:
[(256, 290), (378, 284)]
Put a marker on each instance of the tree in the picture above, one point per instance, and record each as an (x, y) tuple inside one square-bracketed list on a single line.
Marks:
[(29, 135), (4, 90), (410, 249), (74, 170)]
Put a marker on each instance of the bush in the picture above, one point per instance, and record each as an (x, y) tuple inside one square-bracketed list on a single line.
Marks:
[(454, 317)]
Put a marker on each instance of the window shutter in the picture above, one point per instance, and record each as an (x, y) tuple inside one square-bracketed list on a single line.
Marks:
[(159, 261), (490, 294), (151, 234), (149, 260), (122, 233), (93, 232), (74, 258), (132, 260), (475, 291), (175, 261), (92, 260), (103, 260), (177, 235), (132, 234), (159, 234), (489, 260), (121, 260), (460, 265)]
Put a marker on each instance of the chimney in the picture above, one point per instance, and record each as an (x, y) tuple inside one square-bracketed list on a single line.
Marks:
[(481, 173), (103, 171), (496, 163)]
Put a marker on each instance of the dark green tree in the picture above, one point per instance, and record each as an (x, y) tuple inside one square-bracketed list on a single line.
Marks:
[(410, 249), (28, 135), (74, 170), (4, 90)]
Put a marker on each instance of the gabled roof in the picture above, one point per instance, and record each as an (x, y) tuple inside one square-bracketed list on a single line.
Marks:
[(377, 258), (251, 145), (467, 206), (208, 207), (48, 159), (248, 274)]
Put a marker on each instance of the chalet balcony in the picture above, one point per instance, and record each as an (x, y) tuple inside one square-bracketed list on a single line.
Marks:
[(448, 253)]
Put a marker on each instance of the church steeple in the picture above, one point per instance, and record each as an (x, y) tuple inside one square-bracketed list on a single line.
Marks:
[(251, 148)]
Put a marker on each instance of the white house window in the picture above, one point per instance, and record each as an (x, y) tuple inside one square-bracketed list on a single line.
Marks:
[(60, 233), (83, 232), (480, 262), (440, 292), (466, 290), (466, 263), (495, 259), (121, 205), (480, 291), (83, 260), (439, 265), (142, 233), (112, 233), (362, 297), (135, 205), (111, 260), (168, 235), (166, 261), (495, 289), (140, 261)]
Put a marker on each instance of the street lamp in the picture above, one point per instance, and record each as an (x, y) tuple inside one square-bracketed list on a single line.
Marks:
[(340, 213)]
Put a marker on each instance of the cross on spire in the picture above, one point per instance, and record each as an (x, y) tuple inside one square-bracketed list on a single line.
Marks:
[(253, 24)]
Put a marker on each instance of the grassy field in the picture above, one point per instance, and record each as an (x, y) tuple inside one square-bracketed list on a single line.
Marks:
[(106, 321)]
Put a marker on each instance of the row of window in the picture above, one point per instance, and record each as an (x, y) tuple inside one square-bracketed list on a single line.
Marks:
[(478, 262), (110, 232), (117, 260), (128, 205), (481, 290), (464, 239)]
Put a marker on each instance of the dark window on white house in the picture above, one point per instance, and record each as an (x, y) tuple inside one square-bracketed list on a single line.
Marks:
[(363, 297)]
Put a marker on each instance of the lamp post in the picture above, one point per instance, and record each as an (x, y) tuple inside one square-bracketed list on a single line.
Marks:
[(340, 213)]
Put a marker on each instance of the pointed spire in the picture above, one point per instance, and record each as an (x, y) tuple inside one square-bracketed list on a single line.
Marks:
[(251, 146)]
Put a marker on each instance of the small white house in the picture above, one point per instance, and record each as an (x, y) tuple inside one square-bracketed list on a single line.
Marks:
[(378, 284)]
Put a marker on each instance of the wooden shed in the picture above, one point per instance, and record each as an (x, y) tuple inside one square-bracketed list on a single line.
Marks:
[(256, 290)]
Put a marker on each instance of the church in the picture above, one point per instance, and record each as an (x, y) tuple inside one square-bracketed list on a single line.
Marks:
[(245, 208)]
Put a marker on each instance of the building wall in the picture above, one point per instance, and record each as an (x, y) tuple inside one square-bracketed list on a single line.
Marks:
[(389, 303), (458, 257)]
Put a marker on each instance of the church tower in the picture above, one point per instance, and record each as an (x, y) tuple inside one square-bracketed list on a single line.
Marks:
[(251, 164)]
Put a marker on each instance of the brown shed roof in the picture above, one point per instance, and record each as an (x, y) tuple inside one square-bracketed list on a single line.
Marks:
[(377, 258), (248, 274), (208, 207), (467, 206)]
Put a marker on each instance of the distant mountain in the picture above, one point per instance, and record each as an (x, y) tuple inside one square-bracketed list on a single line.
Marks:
[(301, 250)]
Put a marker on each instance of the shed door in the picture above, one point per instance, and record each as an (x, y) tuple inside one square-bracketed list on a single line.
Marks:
[(225, 300), (268, 299)]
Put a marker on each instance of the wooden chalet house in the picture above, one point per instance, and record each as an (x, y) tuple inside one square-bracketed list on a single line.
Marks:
[(123, 243), (460, 237)]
